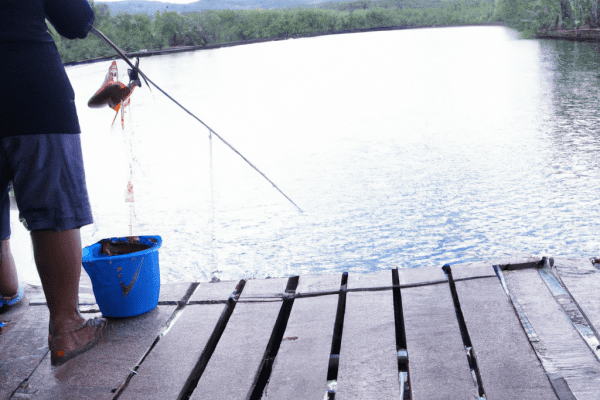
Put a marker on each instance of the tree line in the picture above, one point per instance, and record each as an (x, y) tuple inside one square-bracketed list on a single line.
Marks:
[(533, 16), (135, 32)]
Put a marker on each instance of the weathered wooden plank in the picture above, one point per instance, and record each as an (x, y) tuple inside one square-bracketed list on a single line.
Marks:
[(318, 283), (300, 369), (163, 373), (368, 366), (94, 374), (569, 306), (264, 289), (171, 293), (582, 280), (372, 280), (508, 365), (437, 359), (422, 275), (233, 366), (23, 343), (209, 291), (516, 262), (564, 351), (473, 270)]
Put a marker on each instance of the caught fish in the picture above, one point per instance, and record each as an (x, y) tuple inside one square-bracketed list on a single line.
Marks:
[(115, 94)]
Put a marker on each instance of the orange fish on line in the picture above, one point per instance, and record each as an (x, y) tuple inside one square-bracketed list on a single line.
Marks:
[(113, 93)]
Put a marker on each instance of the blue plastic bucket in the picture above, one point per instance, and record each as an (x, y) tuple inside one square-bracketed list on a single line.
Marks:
[(125, 285)]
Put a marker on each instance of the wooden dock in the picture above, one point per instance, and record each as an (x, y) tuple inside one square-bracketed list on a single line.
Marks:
[(523, 329)]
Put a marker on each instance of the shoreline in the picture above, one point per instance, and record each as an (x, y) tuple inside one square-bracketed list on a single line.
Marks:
[(578, 35), (211, 46)]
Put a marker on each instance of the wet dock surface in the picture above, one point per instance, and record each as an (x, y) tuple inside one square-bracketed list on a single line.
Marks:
[(526, 329)]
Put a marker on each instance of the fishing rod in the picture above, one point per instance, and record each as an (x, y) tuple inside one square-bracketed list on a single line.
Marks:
[(146, 79)]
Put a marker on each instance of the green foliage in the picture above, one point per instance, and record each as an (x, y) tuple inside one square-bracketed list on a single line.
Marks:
[(168, 28), (532, 16)]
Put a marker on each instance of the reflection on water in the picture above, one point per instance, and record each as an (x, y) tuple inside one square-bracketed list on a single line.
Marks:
[(408, 148), (573, 140), (575, 94)]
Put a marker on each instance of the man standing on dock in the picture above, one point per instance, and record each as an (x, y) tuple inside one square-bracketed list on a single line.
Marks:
[(40, 152)]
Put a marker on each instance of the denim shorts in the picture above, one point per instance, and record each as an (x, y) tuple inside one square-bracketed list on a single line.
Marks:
[(49, 182)]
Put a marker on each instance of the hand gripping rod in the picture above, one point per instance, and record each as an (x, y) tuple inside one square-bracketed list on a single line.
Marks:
[(146, 79)]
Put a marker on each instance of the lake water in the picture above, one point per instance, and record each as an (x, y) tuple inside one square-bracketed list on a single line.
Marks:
[(404, 148)]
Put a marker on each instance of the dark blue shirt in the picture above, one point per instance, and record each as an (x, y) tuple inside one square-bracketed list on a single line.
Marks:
[(24, 20), (35, 93)]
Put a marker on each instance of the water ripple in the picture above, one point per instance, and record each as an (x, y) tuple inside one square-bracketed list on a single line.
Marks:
[(406, 148)]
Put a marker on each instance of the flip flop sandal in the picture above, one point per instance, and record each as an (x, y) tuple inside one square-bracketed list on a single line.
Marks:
[(13, 300), (59, 356)]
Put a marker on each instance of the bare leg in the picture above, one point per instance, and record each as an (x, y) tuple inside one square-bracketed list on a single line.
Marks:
[(9, 283), (58, 260)]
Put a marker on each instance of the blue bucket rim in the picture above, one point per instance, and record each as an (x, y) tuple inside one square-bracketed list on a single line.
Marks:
[(87, 255)]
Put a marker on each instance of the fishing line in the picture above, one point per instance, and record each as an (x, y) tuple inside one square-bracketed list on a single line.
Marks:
[(129, 194), (146, 79), (213, 258)]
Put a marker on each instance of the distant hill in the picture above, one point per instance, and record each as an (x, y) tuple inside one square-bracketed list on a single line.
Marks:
[(150, 7)]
